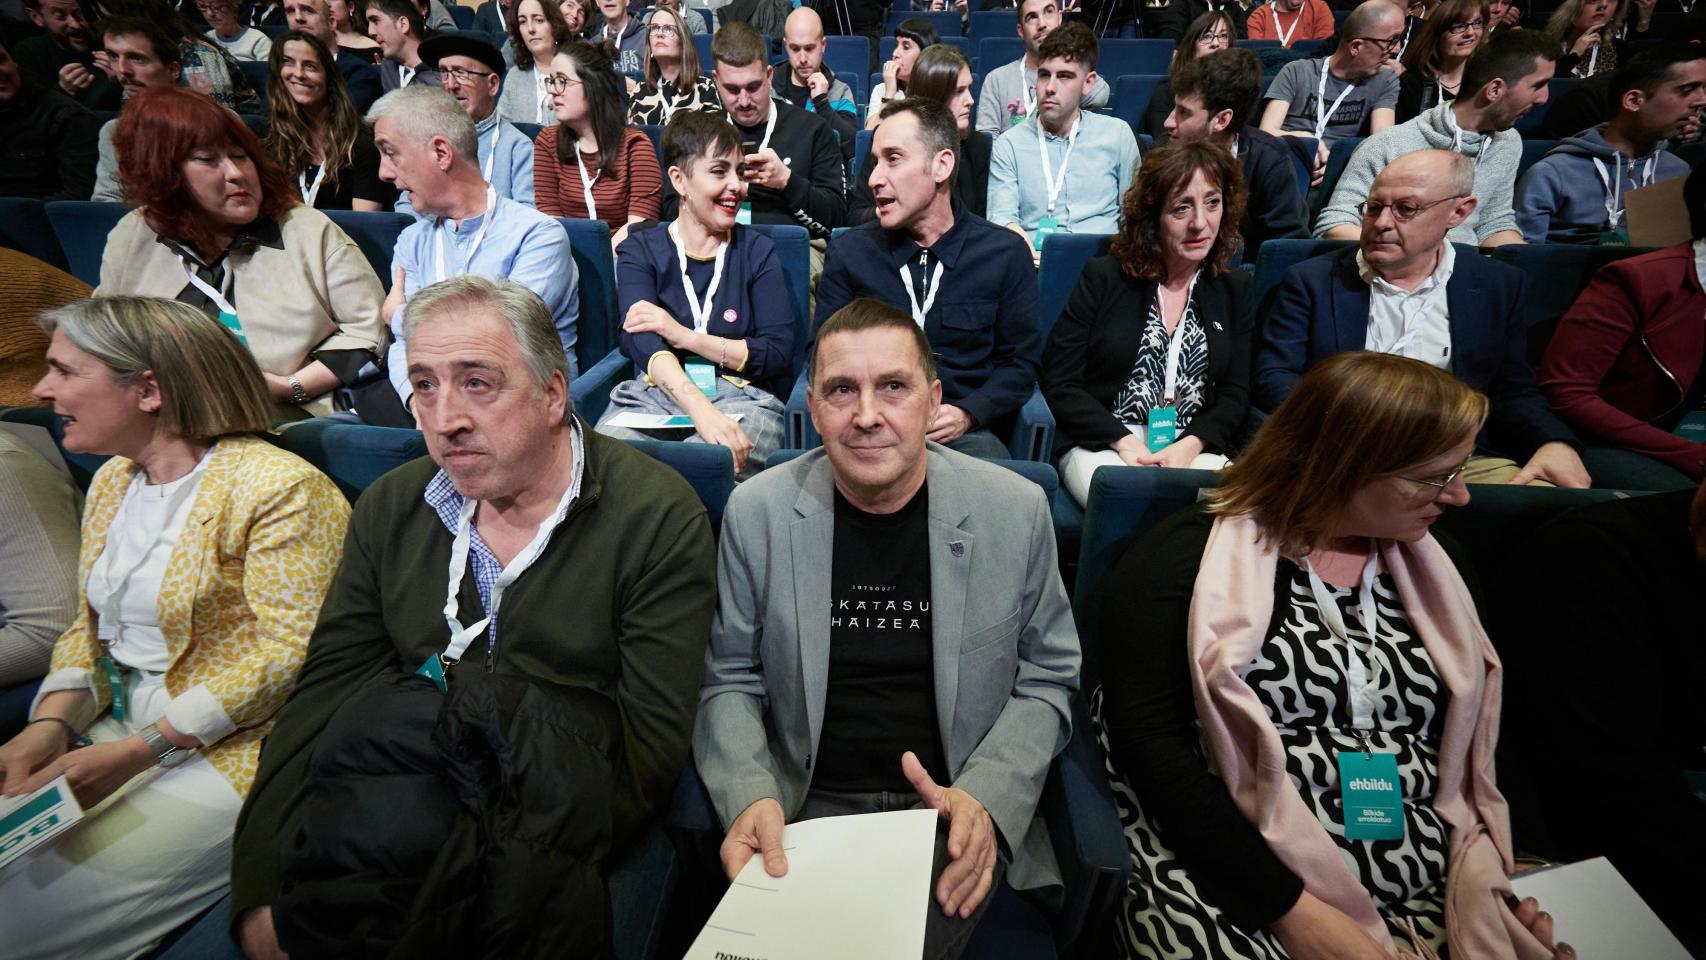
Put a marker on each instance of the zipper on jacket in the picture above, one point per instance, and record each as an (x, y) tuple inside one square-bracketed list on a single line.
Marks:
[(1682, 395)]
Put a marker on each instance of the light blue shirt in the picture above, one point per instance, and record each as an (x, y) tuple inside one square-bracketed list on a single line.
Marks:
[(1098, 174), (511, 163), (521, 244)]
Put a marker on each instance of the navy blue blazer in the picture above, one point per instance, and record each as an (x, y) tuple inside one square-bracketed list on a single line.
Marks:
[(1321, 308)]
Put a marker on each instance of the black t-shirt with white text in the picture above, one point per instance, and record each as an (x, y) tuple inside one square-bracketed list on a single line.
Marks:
[(881, 700)]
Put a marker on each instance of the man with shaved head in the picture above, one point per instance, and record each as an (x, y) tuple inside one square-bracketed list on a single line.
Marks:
[(1344, 95), (1405, 290), (809, 84)]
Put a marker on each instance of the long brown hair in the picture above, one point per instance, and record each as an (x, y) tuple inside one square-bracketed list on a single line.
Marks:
[(157, 131), (689, 53), (1186, 49), (292, 135), (1354, 418), (936, 73), (1166, 171), (1422, 55)]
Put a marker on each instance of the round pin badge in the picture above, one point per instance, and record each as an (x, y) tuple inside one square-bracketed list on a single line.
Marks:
[(729, 316)]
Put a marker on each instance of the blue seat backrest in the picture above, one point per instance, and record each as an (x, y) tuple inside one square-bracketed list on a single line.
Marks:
[(1145, 143), (702, 46), (708, 469), (598, 329), (376, 234), (1302, 160), (1064, 257), (885, 47), (352, 454), (1139, 57), (946, 22), (1532, 151), (24, 227), (256, 73), (1131, 97), (1278, 256), (793, 252), (464, 16), (528, 130), (994, 52), (861, 149), (655, 132), (82, 227), (992, 23), (1338, 157), (1556, 274), (849, 58), (1537, 114)]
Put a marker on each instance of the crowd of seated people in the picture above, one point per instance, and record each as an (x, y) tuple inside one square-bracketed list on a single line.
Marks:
[(1307, 617)]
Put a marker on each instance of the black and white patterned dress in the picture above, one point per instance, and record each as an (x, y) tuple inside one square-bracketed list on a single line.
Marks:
[(1300, 677), (1147, 385)]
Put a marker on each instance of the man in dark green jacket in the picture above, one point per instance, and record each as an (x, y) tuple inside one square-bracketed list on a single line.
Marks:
[(580, 562)]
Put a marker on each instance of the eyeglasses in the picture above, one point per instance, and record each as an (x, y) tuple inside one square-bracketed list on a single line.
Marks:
[(1390, 44), (1403, 211), (1459, 29), (1439, 483), (663, 30), (1215, 38), (558, 82), (462, 76)]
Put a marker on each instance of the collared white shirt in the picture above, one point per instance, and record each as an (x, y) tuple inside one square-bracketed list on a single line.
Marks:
[(1411, 323)]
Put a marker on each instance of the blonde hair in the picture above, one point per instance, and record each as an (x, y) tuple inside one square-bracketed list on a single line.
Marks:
[(210, 386), (1354, 418)]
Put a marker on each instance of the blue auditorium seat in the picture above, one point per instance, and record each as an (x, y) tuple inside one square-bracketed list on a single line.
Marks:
[(255, 71), (464, 16), (82, 227), (598, 330), (793, 253), (1532, 151), (1302, 160), (1531, 121), (376, 233), (1338, 157), (1278, 256), (1134, 57), (946, 22), (654, 132), (708, 468), (994, 52), (1064, 258), (1556, 273), (352, 454), (1131, 97), (849, 58), (992, 23), (528, 130), (24, 227)]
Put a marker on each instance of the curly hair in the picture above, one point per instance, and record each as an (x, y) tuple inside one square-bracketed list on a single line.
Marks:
[(1165, 172), (292, 133), (157, 132)]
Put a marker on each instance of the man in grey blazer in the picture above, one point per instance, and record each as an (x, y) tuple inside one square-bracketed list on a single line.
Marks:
[(890, 617)]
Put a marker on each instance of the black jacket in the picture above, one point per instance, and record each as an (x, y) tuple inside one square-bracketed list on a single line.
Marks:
[(1178, 16), (971, 180), (1273, 207), (1094, 345), (472, 824), (850, 16), (816, 195), (47, 146)]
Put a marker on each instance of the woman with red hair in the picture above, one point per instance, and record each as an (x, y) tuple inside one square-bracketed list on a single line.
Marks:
[(220, 226)]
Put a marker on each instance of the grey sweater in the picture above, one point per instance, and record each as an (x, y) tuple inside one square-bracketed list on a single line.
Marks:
[(1496, 157), (39, 510)]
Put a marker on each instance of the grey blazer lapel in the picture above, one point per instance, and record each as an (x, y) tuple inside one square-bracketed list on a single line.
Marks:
[(811, 541), (951, 554)]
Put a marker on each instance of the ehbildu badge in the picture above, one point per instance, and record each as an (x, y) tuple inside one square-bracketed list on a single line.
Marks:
[(1374, 804)]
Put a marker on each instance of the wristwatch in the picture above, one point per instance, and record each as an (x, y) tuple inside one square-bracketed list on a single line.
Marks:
[(297, 394), (166, 753)]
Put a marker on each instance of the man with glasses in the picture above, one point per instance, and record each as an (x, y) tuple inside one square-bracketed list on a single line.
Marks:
[(1405, 290), (471, 71), (1505, 79), (1344, 95)]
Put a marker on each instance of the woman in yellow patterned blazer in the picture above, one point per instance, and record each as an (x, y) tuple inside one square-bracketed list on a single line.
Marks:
[(206, 553)]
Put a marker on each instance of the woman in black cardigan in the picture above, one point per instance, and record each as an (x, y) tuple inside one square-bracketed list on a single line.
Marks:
[(1166, 298)]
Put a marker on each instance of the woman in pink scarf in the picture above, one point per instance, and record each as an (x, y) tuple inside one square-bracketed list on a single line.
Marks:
[(1299, 785)]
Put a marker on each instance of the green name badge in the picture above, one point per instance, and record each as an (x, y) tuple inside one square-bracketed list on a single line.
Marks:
[(704, 376), (433, 669), (1374, 808), (744, 214), (115, 684), (1163, 427), (230, 320), (1693, 427), (1614, 238), (1046, 226)]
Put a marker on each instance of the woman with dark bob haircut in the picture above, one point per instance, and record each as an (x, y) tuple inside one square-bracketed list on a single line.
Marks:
[(220, 226), (1299, 703), (1149, 364), (943, 74)]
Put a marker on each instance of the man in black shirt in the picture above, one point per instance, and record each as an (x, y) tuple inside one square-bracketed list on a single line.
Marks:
[(891, 632), (812, 86), (64, 57), (47, 141)]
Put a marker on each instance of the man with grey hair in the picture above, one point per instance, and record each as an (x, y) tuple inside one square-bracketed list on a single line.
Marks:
[(581, 566), (1405, 290), (427, 146)]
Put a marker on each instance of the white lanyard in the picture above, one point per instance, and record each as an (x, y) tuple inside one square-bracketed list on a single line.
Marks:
[(701, 310), (1362, 671), (219, 298), (1028, 88), (473, 248), (769, 128), (1324, 115), (1593, 58), (460, 636), (311, 190), (1285, 35), (586, 185), (503, 27), (1175, 342), (1050, 180), (541, 97), (669, 103), (492, 154), (1404, 44), (1614, 184), (931, 286)]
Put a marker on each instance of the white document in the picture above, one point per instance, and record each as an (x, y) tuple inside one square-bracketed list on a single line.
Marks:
[(31, 820), (657, 421), (1596, 911), (857, 887)]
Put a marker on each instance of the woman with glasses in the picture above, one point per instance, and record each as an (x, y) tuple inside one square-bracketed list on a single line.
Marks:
[(1433, 64), (1208, 33), (1299, 703), (536, 30), (315, 132), (671, 69), (1149, 364), (1586, 29), (1289, 21), (590, 165)]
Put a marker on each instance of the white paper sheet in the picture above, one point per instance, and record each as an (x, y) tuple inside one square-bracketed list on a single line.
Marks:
[(1596, 911), (657, 421), (857, 887), (31, 820)]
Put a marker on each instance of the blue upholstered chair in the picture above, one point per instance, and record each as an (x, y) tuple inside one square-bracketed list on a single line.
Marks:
[(946, 22), (598, 330), (376, 233), (1557, 273), (992, 23), (1131, 97), (1338, 157), (24, 227), (82, 227)]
